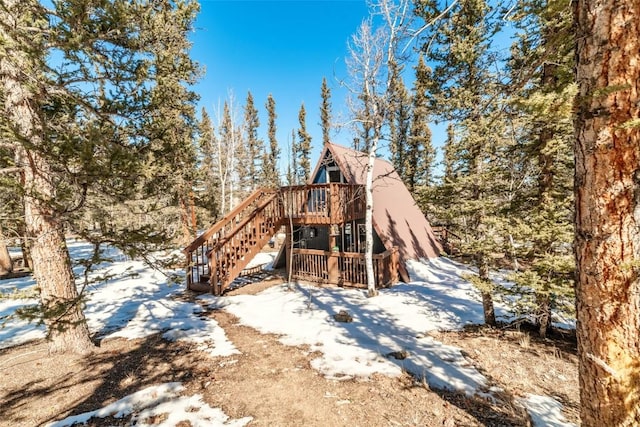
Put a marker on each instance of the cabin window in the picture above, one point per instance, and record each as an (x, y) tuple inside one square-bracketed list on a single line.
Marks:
[(362, 237), (334, 174)]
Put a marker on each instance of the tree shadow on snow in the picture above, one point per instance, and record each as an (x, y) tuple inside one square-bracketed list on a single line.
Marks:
[(447, 372), (119, 368)]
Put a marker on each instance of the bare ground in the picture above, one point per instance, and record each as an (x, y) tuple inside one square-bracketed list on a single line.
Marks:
[(276, 385)]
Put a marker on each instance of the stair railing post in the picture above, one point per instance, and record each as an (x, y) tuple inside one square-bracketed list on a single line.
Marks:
[(213, 269), (189, 269)]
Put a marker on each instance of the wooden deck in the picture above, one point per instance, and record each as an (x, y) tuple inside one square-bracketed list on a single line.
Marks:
[(221, 253)]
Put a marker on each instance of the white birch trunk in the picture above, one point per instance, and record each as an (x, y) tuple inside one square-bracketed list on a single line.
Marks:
[(371, 279)]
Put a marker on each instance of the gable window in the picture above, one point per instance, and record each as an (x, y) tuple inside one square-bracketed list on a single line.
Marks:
[(334, 174)]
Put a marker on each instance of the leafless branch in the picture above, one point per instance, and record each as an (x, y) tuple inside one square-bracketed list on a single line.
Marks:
[(7, 171)]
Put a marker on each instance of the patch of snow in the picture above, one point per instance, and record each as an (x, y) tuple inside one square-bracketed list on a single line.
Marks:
[(9, 286), (545, 411), (159, 400), (135, 302), (191, 410), (393, 321), (14, 331), (265, 258), (134, 402)]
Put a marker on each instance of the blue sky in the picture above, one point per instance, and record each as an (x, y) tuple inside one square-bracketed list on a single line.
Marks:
[(280, 47)]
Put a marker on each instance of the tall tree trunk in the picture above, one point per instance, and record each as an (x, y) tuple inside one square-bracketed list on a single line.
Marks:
[(64, 319), (25, 245), (485, 291), (368, 256), (192, 210), (66, 325), (6, 264), (607, 194), (543, 312), (481, 258), (545, 188), (188, 218)]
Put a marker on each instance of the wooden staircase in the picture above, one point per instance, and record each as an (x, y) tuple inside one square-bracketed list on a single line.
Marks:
[(219, 255)]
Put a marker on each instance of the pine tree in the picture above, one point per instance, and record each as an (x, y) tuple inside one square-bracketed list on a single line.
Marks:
[(465, 92), (271, 158), (303, 148), (448, 160), (399, 120), (209, 190), (607, 225), (438, 198), (78, 130), (292, 164), (420, 154), (365, 124), (250, 168), (11, 210), (6, 263), (542, 70), (173, 124), (325, 112)]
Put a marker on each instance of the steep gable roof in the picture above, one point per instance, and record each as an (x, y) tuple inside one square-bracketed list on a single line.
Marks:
[(396, 217)]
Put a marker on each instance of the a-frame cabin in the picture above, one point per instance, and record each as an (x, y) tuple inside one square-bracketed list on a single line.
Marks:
[(324, 223)]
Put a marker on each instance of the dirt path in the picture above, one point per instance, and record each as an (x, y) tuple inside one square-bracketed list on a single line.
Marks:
[(276, 385)]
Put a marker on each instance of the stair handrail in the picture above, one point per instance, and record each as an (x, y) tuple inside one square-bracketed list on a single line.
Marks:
[(233, 265), (221, 242), (201, 239)]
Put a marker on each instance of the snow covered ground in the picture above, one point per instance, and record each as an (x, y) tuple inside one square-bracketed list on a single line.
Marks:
[(387, 334), (157, 400)]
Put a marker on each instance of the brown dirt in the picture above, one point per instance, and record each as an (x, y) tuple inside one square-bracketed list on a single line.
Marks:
[(275, 384)]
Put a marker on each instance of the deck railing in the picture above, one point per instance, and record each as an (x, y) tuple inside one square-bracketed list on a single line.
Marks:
[(344, 268), (323, 203), (449, 240)]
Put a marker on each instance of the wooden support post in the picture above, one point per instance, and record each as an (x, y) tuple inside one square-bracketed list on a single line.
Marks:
[(333, 265), (333, 268), (189, 269), (213, 270), (334, 204), (395, 257)]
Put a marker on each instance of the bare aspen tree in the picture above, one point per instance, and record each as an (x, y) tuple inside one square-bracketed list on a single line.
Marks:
[(226, 145), (372, 51)]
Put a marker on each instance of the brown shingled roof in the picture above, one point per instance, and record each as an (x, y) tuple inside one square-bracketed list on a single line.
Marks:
[(396, 216)]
